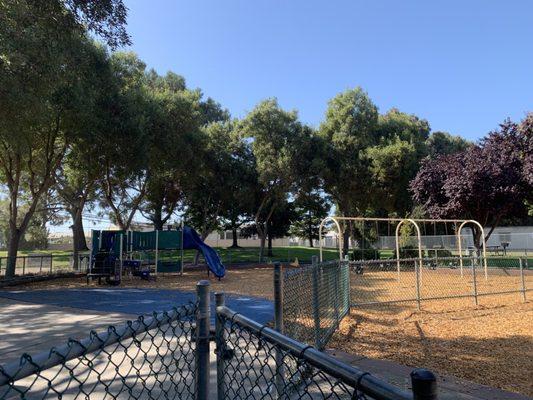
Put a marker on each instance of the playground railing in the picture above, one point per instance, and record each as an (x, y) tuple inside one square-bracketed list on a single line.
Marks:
[(46, 264)]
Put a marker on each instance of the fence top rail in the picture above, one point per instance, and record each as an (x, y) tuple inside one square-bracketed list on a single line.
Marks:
[(309, 267), (28, 365), (431, 259), (352, 376), (46, 255)]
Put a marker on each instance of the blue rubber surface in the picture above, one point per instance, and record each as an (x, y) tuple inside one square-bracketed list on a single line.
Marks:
[(137, 301)]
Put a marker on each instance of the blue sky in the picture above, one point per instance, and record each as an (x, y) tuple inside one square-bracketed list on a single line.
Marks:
[(463, 65)]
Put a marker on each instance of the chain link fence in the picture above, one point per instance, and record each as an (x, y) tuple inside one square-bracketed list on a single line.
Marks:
[(415, 280), (46, 264), (168, 356), (150, 358), (315, 300), (257, 362)]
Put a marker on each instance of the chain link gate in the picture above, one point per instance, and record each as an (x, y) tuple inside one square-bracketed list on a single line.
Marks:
[(315, 299)]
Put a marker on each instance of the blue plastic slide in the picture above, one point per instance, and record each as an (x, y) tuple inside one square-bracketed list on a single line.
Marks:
[(191, 240)]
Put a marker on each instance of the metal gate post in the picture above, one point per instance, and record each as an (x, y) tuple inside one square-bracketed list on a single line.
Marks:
[(278, 298), (316, 304), (522, 279), (278, 324), (202, 341), (417, 276), (346, 269), (220, 346), (424, 384), (474, 280)]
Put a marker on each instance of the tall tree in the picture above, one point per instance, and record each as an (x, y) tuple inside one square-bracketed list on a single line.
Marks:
[(311, 208), (442, 143), (275, 135), (174, 145), (395, 160), (348, 130), (45, 69), (241, 182), (124, 159), (485, 182)]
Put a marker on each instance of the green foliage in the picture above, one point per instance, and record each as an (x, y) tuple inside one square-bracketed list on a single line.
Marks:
[(311, 208), (442, 143), (348, 130), (392, 167), (275, 135)]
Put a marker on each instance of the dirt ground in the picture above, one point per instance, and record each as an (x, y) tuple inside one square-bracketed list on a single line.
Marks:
[(249, 281), (491, 343)]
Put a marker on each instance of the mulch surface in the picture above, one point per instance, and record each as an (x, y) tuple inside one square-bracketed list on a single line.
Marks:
[(491, 344)]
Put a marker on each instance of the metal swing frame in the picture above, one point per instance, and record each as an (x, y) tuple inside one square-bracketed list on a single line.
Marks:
[(413, 221)]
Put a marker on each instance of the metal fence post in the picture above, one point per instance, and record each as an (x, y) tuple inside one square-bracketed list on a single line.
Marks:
[(220, 346), (424, 384), (202, 341), (474, 280), (348, 286), (316, 303), (417, 273), (522, 279), (278, 324), (336, 294), (278, 298)]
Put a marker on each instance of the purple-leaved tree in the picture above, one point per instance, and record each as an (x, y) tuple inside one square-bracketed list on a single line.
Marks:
[(486, 182)]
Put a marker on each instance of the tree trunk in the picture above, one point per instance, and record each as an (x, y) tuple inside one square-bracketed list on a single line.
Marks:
[(269, 254), (262, 241), (157, 219), (12, 249), (78, 237), (345, 242), (310, 233), (234, 244)]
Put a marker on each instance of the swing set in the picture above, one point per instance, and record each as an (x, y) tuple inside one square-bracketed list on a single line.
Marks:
[(458, 224)]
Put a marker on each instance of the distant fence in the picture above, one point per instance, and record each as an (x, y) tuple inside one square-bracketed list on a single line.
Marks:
[(313, 299), (422, 280), (46, 264), (167, 355)]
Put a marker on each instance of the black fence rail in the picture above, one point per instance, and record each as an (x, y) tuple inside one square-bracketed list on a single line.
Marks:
[(257, 362), (46, 264)]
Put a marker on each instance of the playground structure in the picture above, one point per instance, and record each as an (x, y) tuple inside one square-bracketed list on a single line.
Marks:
[(458, 225), (116, 252)]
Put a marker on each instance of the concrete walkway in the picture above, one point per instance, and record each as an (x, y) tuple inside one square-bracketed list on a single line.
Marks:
[(136, 301), (449, 387), (34, 328)]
